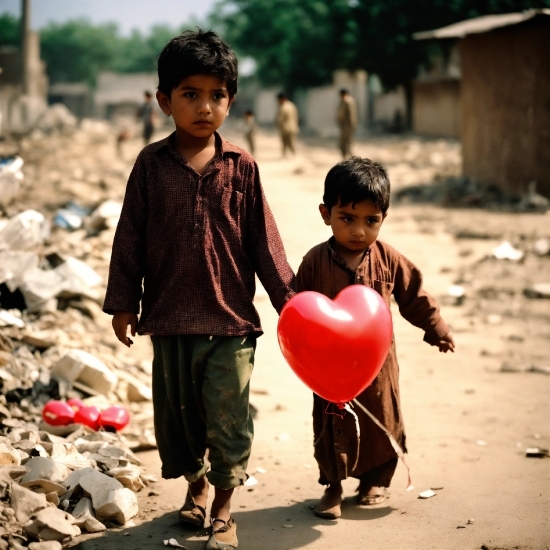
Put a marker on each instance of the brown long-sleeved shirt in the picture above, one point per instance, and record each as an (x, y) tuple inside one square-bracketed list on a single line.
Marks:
[(187, 246), (339, 453)]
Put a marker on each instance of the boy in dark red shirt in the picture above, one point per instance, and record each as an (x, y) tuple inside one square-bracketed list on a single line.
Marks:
[(195, 230)]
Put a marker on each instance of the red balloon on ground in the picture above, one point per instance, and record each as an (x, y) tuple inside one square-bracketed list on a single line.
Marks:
[(88, 416), (336, 348), (57, 413), (114, 418)]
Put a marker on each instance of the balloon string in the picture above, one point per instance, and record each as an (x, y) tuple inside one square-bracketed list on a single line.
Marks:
[(358, 428), (393, 442)]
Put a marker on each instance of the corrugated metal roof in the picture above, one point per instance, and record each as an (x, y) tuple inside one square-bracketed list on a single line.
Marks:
[(481, 24)]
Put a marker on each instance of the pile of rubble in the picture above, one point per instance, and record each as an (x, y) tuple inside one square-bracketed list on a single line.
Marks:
[(59, 481)]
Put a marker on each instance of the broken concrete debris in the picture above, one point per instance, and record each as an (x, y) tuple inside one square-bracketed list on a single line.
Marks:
[(59, 481)]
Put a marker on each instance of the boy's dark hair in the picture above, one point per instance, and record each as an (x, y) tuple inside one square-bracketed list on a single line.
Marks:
[(147, 93), (344, 91), (196, 52), (282, 95), (357, 179)]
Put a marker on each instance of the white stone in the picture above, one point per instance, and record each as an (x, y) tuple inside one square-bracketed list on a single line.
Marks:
[(81, 366), (46, 545), (26, 502), (120, 506), (52, 524), (45, 468)]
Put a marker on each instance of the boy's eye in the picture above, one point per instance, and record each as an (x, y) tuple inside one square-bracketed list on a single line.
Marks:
[(190, 95), (219, 95), (347, 218)]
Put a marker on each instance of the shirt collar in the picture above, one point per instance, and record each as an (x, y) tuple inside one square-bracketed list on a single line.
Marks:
[(339, 260), (224, 147)]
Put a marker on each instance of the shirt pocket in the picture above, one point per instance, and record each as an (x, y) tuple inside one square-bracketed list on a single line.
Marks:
[(385, 289)]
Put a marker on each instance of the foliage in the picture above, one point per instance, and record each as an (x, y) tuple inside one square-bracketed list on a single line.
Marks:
[(77, 50), (10, 30), (301, 42)]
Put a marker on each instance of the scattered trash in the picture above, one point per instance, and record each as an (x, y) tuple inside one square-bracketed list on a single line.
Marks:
[(541, 247), (260, 470), (71, 217), (11, 176), (427, 494), (283, 437), (536, 452), (470, 522), (539, 290), (481, 443), (505, 251), (173, 543), (457, 293), (287, 526), (250, 482)]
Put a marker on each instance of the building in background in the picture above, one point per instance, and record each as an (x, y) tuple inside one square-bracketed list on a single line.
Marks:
[(120, 95), (504, 98)]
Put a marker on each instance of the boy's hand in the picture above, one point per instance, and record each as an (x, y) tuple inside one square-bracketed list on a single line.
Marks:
[(446, 343), (121, 320)]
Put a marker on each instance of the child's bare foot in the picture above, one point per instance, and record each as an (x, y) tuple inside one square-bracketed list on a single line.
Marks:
[(369, 495), (329, 505)]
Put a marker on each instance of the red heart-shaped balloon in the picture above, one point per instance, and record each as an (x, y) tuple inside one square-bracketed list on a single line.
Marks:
[(88, 416), (114, 418), (57, 413), (338, 347)]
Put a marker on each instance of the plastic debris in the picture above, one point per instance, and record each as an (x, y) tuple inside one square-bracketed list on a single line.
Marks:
[(173, 543), (536, 452), (11, 176), (427, 494), (505, 251), (250, 482)]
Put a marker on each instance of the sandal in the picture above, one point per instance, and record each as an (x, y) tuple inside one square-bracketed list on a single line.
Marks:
[(223, 538), (370, 500), (191, 513), (332, 513)]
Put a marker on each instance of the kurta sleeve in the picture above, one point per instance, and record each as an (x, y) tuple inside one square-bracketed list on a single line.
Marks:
[(266, 248), (303, 277), (127, 267), (415, 304)]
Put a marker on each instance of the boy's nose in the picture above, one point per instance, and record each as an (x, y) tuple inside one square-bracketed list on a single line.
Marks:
[(204, 107)]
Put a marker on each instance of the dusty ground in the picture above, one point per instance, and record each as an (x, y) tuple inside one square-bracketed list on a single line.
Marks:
[(468, 423)]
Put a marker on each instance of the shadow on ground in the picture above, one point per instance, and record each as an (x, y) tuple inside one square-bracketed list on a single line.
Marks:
[(280, 528)]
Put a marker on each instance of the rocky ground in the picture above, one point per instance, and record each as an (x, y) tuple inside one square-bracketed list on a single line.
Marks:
[(470, 417)]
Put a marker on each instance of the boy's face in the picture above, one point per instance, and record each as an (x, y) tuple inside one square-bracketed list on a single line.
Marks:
[(198, 105), (354, 228)]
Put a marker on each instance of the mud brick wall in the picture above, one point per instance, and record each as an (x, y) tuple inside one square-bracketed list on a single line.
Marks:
[(505, 106), (436, 108)]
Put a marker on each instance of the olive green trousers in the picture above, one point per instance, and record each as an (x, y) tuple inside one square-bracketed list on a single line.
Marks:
[(201, 403)]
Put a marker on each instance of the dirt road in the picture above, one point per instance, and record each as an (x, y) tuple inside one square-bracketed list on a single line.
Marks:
[(468, 423)]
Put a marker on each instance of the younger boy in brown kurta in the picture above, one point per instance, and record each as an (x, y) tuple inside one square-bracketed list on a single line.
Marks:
[(194, 231), (355, 204)]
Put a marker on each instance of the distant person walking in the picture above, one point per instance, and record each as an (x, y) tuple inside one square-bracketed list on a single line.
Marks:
[(147, 116), (346, 117), (250, 130), (287, 123)]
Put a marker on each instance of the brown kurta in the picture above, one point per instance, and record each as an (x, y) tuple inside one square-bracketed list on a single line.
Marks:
[(337, 450)]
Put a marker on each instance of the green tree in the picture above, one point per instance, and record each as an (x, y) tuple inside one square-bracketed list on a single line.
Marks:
[(295, 43), (10, 30), (299, 43), (77, 50)]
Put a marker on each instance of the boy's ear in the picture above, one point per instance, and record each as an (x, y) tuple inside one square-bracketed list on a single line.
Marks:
[(325, 213), (231, 99), (164, 103)]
